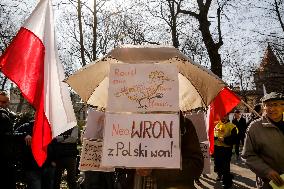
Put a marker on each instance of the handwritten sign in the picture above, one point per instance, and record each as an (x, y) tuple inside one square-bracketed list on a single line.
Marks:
[(91, 157), (141, 140), (274, 186), (143, 87), (94, 125), (205, 151)]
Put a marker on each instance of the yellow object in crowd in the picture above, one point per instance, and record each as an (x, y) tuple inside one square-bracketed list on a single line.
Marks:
[(223, 130)]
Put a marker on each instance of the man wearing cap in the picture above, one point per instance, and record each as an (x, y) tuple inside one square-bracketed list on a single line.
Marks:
[(264, 145)]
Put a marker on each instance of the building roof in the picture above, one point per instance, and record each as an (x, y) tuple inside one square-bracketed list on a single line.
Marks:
[(269, 60)]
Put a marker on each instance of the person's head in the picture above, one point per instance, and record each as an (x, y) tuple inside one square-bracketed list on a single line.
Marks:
[(237, 114), (225, 119), (273, 106), (4, 100)]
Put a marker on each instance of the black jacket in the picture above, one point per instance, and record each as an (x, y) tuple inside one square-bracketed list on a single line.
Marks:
[(241, 125), (25, 153), (6, 135)]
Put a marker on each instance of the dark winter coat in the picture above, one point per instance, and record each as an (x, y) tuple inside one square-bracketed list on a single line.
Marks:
[(192, 161), (241, 125), (6, 135)]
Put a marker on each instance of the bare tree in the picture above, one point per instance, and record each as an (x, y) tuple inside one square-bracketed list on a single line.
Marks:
[(239, 75), (202, 17), (278, 7), (9, 25), (100, 30), (267, 24), (174, 28), (172, 21), (6, 34), (274, 9), (82, 49)]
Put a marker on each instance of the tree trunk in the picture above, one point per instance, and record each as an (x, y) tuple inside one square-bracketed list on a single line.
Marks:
[(212, 48), (173, 25), (95, 32), (204, 24), (81, 34)]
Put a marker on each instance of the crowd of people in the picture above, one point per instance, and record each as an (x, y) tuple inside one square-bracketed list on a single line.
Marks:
[(18, 163), (262, 141)]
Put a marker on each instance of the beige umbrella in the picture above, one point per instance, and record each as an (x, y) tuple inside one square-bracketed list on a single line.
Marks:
[(198, 86)]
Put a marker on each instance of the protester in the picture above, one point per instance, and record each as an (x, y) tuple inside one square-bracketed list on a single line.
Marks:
[(65, 151), (197, 117), (263, 150), (36, 177), (192, 161), (240, 122), (225, 135), (98, 179), (7, 180)]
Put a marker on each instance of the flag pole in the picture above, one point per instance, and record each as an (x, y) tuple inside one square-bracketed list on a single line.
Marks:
[(253, 111)]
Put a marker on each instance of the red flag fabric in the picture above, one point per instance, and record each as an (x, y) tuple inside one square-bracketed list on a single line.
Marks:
[(31, 62), (222, 104), (26, 71)]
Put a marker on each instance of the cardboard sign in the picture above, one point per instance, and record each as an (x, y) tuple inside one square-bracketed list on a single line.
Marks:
[(274, 186), (205, 151), (141, 140), (91, 157), (143, 88), (199, 122), (94, 125)]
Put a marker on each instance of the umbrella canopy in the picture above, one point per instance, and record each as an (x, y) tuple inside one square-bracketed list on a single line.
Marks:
[(198, 86)]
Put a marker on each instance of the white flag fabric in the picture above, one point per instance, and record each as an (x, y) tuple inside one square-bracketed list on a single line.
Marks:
[(31, 62), (58, 106)]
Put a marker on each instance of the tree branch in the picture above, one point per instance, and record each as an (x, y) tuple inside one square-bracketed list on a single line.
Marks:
[(220, 42), (189, 13), (179, 10), (207, 5), (278, 15)]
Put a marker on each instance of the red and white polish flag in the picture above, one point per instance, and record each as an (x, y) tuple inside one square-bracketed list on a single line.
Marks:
[(31, 62), (221, 105)]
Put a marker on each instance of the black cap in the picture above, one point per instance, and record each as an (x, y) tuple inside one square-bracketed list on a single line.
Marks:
[(272, 96)]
